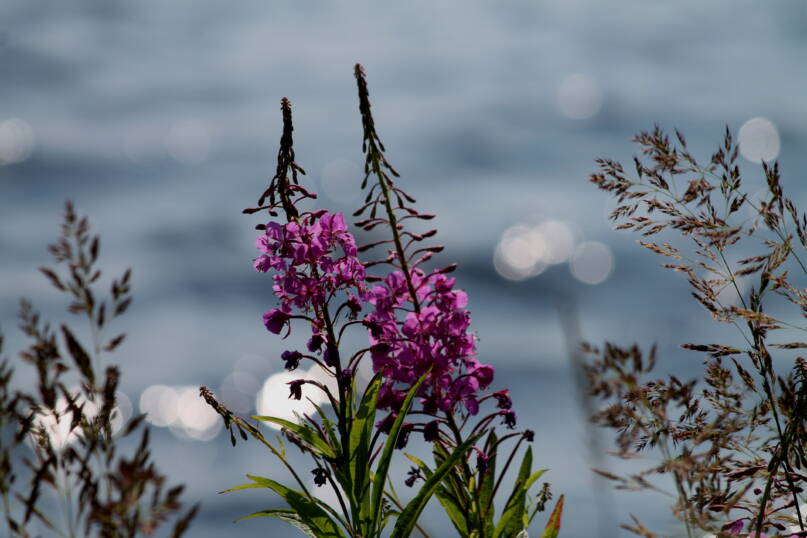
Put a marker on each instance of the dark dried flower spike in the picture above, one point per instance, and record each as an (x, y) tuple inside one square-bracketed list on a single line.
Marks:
[(279, 186), (370, 137), (377, 164)]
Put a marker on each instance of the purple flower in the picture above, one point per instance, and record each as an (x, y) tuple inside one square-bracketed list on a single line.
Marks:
[(734, 527), (482, 372), (431, 431), (345, 376), (389, 398), (275, 319), (482, 461), (315, 343), (403, 435), (503, 400), (292, 359), (313, 260), (296, 388), (509, 418), (354, 306), (263, 263), (406, 343), (309, 267), (331, 355)]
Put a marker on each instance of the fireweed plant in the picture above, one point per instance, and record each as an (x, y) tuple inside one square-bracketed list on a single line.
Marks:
[(61, 464), (427, 379), (733, 442)]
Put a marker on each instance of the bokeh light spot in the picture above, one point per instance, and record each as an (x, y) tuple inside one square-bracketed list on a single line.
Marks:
[(592, 262), (759, 140), (122, 411), (320, 375), (579, 97), (196, 419), (526, 251), (16, 141), (159, 403), (559, 241), (56, 425), (273, 399), (182, 410)]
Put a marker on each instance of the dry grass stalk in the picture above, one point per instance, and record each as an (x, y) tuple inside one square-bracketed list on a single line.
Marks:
[(59, 449), (734, 440)]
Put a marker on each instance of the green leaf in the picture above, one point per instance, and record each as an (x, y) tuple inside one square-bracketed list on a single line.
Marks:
[(531, 480), (553, 525), (361, 433), (411, 512), (305, 509), (328, 426), (486, 486), (512, 520), (283, 514), (454, 483), (309, 435), (420, 463), (382, 469), (455, 510)]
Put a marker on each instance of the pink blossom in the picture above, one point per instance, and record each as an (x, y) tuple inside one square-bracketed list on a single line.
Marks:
[(406, 344), (309, 269), (275, 319)]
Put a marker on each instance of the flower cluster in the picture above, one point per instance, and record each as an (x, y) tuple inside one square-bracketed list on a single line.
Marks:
[(308, 271), (420, 347), (433, 338)]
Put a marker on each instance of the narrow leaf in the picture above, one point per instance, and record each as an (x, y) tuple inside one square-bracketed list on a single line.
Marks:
[(386, 456), (361, 433), (307, 510), (486, 485), (512, 520), (456, 510), (553, 526), (283, 514), (410, 514), (309, 435)]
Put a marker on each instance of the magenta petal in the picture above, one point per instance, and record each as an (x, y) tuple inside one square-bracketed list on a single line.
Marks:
[(262, 263), (274, 320)]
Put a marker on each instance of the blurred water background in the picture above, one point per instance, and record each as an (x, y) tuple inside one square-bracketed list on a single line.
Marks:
[(161, 121)]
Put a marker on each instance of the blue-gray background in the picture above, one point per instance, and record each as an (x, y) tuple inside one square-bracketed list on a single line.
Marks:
[(161, 121)]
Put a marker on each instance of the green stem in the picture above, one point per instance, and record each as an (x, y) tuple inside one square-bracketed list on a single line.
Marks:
[(373, 153), (338, 496), (501, 475)]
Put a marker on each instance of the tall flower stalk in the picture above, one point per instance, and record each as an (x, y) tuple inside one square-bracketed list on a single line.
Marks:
[(420, 326)]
